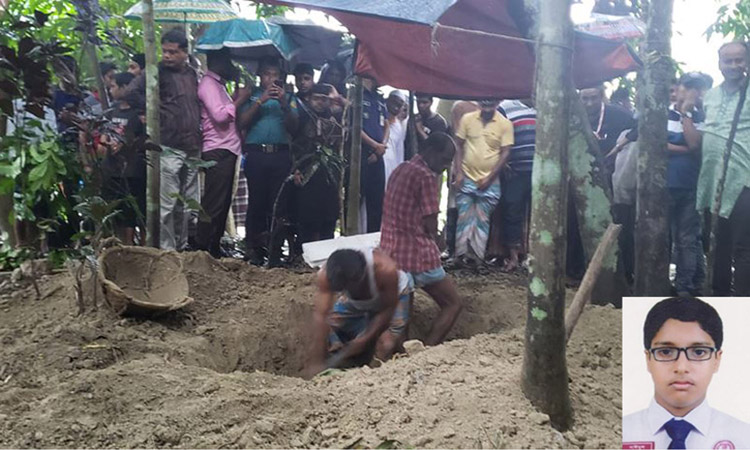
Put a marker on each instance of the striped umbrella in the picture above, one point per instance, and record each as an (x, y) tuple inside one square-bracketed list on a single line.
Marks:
[(185, 11)]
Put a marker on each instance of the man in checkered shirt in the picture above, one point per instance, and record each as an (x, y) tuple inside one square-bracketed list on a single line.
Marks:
[(409, 230)]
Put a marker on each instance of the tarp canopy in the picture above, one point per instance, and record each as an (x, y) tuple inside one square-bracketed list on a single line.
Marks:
[(459, 48)]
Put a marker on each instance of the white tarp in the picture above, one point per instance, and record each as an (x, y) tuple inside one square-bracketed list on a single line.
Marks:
[(316, 253)]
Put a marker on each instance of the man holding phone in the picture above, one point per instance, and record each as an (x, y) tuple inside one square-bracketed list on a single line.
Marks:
[(268, 119)]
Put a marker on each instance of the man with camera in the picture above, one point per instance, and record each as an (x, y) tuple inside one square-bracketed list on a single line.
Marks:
[(269, 118)]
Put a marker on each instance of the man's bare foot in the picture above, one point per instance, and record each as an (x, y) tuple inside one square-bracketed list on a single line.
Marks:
[(509, 266)]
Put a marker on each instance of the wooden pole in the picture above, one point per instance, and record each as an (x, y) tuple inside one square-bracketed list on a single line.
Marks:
[(355, 159), (153, 218), (545, 373), (583, 295), (651, 230)]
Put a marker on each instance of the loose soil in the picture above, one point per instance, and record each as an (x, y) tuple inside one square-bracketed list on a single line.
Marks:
[(223, 372)]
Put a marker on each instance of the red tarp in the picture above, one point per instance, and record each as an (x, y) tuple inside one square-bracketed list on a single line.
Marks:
[(475, 49)]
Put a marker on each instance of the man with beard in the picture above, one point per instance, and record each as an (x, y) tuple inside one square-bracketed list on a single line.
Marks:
[(733, 234)]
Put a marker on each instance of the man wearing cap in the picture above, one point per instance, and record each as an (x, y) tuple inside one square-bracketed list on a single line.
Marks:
[(316, 202), (394, 152), (484, 139)]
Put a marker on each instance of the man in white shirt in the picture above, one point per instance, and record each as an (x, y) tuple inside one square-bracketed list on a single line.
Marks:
[(682, 339)]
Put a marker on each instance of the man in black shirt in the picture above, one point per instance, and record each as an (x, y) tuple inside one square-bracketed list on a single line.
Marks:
[(316, 177), (427, 121), (607, 121)]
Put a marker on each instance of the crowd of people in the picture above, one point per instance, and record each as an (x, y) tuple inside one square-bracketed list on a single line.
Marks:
[(700, 123), (285, 140)]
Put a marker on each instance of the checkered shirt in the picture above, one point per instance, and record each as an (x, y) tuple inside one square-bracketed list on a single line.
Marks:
[(412, 193)]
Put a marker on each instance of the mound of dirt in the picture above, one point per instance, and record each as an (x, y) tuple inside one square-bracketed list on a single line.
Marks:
[(222, 372)]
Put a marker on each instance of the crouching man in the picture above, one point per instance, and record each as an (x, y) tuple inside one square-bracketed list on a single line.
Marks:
[(361, 310)]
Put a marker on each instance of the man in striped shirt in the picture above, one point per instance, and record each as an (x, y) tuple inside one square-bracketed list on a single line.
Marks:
[(683, 167), (516, 181)]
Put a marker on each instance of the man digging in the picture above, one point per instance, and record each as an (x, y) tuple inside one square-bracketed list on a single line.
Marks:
[(370, 315)]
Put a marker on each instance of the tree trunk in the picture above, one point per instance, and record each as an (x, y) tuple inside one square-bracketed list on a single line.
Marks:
[(153, 217), (87, 21), (651, 232), (592, 195), (90, 51), (355, 159), (6, 200), (545, 374)]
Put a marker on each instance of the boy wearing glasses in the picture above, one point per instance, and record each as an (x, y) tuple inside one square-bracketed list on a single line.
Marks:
[(682, 339)]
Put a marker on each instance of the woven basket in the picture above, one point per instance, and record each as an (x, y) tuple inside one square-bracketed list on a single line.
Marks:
[(143, 280)]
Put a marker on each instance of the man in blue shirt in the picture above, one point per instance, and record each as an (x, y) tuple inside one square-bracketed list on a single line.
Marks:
[(269, 118), (374, 137)]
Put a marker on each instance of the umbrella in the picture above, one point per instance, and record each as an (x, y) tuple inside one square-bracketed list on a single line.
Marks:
[(185, 11), (316, 44), (613, 27), (459, 48), (248, 40)]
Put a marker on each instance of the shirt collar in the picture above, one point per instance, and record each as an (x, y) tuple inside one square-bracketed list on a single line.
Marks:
[(494, 116), (418, 160), (213, 75), (699, 417)]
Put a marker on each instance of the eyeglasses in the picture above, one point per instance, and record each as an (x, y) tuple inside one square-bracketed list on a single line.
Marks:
[(697, 353)]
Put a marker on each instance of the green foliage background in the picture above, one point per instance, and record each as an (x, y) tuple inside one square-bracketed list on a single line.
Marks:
[(733, 21), (120, 37)]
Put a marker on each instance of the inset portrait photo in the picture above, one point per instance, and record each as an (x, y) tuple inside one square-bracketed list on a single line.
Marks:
[(685, 379)]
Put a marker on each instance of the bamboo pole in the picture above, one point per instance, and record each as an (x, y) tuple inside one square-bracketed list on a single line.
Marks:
[(355, 160), (583, 295), (545, 373), (153, 217)]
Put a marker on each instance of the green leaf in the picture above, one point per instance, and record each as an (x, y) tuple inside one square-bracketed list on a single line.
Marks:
[(38, 172)]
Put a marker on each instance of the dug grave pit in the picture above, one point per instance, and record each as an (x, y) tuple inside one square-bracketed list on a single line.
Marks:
[(203, 377)]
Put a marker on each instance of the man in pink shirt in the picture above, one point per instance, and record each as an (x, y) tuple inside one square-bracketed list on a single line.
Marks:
[(221, 144)]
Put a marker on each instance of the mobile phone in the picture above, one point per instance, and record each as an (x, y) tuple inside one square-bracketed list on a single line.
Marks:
[(278, 83)]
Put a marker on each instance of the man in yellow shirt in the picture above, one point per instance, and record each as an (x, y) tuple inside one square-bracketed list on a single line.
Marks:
[(484, 139)]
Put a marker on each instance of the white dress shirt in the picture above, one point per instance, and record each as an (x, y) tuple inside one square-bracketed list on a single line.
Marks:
[(712, 429)]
